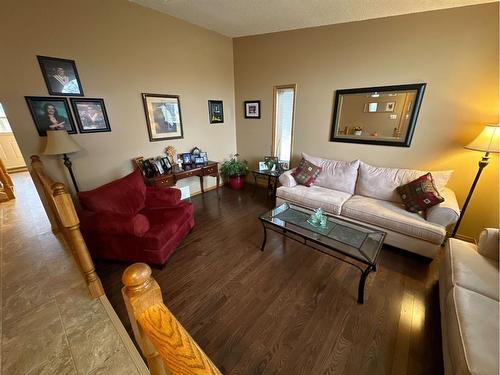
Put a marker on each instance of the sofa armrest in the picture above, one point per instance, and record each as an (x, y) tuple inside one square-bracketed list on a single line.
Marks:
[(488, 243), (286, 179), (445, 213), (114, 223), (162, 197)]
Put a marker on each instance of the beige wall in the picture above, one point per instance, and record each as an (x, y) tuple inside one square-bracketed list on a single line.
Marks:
[(121, 50), (454, 51)]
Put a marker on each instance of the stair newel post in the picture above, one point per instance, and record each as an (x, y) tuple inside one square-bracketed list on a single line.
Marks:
[(140, 292)]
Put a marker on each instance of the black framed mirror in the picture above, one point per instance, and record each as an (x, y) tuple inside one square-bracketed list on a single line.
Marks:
[(384, 115)]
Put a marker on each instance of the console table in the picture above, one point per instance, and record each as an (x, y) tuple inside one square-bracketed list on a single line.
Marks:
[(210, 168)]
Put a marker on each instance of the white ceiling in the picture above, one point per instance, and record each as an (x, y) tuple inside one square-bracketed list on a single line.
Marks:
[(236, 18)]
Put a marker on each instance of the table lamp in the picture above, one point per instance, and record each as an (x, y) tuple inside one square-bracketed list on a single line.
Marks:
[(60, 143), (487, 141)]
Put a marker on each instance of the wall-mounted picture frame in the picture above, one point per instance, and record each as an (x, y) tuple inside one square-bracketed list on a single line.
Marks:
[(61, 76), (252, 109), (163, 116), (90, 115), (50, 113), (216, 111)]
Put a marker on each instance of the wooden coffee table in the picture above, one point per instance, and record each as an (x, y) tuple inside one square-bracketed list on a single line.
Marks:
[(349, 242)]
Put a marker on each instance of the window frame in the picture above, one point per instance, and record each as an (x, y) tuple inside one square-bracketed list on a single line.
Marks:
[(274, 124)]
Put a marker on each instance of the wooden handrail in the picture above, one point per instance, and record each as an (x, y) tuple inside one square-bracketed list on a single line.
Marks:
[(7, 185), (64, 219), (167, 346)]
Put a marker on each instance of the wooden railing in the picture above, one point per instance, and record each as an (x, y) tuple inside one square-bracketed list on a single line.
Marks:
[(7, 189), (64, 220), (167, 346)]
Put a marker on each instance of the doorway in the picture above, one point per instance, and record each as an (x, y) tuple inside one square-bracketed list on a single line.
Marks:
[(9, 150)]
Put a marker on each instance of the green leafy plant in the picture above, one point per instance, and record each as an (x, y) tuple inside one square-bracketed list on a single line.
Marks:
[(234, 167)]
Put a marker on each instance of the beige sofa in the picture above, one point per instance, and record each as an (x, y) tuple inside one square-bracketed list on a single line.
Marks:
[(363, 193), (469, 301)]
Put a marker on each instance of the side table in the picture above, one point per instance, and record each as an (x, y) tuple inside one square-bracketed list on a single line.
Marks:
[(272, 180)]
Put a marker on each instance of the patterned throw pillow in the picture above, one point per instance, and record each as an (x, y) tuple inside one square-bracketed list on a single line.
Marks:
[(420, 194), (306, 173)]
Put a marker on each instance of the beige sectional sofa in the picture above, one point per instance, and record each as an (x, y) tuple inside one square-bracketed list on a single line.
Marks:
[(363, 193), (469, 301)]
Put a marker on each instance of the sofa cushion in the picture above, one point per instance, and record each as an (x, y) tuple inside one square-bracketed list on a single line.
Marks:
[(472, 332), (126, 196), (381, 183), (335, 174), (329, 200), (392, 216), (306, 173), (420, 194), (464, 266)]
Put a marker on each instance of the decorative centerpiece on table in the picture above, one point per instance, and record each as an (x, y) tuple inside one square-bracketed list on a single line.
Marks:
[(171, 153), (234, 172), (318, 219), (358, 130)]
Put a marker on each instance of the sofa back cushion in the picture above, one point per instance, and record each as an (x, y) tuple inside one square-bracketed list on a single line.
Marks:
[(335, 174), (381, 183), (125, 196)]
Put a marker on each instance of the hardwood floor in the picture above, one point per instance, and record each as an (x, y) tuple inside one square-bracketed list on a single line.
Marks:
[(289, 309)]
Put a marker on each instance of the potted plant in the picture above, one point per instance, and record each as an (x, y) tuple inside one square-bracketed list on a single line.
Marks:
[(234, 172)]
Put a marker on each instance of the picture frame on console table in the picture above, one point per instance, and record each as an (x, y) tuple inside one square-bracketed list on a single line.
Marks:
[(163, 116)]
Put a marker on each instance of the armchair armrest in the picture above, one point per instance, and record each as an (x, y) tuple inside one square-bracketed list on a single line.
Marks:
[(445, 213), (488, 243), (114, 223), (286, 179), (162, 197)]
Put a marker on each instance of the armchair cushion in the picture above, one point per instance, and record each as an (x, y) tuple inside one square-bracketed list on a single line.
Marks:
[(488, 243), (162, 197), (113, 223), (124, 196)]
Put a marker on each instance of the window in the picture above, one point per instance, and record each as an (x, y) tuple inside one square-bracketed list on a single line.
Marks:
[(284, 111), (4, 123)]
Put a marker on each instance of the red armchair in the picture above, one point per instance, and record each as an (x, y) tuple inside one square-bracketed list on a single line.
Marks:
[(126, 220)]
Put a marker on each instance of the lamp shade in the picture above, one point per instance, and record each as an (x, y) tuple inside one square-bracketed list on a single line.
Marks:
[(488, 140), (59, 142)]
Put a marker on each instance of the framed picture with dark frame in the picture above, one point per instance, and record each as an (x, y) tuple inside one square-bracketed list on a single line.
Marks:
[(50, 113), (216, 111), (61, 76), (382, 115), (90, 114), (252, 109), (163, 116)]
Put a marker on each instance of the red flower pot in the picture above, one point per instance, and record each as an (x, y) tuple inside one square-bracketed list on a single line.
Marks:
[(236, 182)]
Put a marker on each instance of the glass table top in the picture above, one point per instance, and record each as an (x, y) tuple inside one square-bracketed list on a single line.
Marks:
[(354, 240)]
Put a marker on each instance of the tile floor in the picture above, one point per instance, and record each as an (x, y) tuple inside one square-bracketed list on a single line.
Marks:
[(49, 323)]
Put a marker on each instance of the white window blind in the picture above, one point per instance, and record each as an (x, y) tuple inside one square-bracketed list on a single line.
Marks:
[(285, 98)]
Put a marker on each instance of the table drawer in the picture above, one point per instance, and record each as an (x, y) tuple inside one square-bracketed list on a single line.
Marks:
[(181, 175), (213, 169), (164, 181)]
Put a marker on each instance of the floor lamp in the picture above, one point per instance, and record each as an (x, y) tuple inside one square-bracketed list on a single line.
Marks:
[(60, 143), (487, 141)]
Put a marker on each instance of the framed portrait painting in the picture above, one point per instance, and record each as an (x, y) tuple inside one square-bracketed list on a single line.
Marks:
[(215, 111), (163, 116), (61, 76), (50, 113), (252, 109), (90, 114)]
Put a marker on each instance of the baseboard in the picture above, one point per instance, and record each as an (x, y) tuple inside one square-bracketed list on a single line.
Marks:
[(17, 169), (465, 238), (126, 340)]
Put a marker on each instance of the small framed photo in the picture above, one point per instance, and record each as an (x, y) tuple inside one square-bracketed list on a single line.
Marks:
[(90, 114), (199, 160), (252, 109), (163, 116), (263, 166), (186, 158), (389, 106), (61, 76), (204, 155), (50, 113), (165, 163), (284, 165), (216, 111)]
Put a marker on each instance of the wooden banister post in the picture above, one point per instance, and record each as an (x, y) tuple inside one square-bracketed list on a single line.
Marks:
[(140, 292), (69, 219), (6, 181)]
